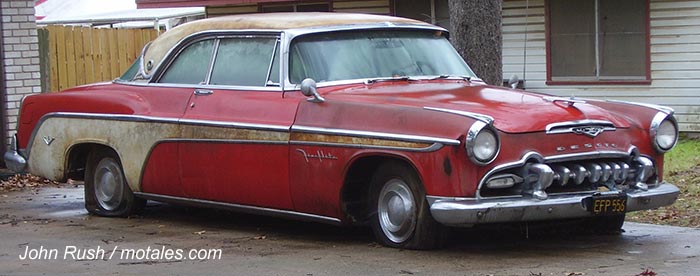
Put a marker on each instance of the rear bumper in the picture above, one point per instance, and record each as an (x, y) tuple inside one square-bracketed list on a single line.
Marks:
[(467, 211), (13, 159)]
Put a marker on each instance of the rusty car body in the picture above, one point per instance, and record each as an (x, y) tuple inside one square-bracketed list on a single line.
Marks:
[(343, 119)]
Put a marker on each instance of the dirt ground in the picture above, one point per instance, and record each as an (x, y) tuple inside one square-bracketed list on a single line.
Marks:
[(54, 220)]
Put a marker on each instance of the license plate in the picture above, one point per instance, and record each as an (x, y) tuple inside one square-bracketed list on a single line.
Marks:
[(611, 204)]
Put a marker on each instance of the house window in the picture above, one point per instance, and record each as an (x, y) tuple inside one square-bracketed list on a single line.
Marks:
[(598, 41), (431, 11), (295, 7)]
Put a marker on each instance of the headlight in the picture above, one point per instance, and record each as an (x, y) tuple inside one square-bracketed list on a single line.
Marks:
[(664, 132), (482, 143)]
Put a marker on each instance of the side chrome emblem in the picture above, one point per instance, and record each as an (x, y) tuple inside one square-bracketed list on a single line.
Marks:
[(320, 155), (48, 140), (590, 131)]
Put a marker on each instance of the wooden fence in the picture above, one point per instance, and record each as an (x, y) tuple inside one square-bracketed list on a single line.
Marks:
[(82, 55)]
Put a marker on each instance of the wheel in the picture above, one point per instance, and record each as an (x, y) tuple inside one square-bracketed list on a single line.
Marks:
[(106, 190), (400, 213), (607, 224)]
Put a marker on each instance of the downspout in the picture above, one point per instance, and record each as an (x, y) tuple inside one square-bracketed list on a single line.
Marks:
[(3, 93)]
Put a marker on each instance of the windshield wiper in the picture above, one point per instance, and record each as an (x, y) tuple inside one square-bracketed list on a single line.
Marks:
[(466, 78), (401, 78)]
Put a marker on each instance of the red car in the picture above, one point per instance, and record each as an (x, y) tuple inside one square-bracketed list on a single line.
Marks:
[(342, 119)]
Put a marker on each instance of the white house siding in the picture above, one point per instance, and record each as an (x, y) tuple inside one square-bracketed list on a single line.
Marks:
[(675, 58), (350, 6)]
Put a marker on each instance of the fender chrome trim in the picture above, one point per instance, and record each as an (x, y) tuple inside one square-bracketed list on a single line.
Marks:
[(664, 109), (477, 116), (378, 135)]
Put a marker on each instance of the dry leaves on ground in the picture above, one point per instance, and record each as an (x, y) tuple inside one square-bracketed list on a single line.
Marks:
[(21, 182)]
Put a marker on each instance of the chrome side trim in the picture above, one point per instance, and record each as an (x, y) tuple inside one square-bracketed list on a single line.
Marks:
[(221, 141), (240, 208), (234, 125), (153, 119), (664, 109), (431, 148), (212, 86), (467, 212), (372, 134), (477, 116)]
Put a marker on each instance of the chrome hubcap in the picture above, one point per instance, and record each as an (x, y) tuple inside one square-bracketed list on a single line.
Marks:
[(396, 211), (109, 184)]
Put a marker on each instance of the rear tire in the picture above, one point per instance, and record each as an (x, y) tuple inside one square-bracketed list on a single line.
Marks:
[(400, 213), (106, 191)]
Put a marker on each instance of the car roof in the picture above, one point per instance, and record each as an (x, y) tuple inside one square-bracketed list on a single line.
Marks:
[(159, 48)]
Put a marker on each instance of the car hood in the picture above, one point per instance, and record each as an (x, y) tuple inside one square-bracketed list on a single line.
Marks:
[(513, 111)]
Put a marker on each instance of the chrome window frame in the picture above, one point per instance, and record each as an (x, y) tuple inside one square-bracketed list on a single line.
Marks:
[(285, 38)]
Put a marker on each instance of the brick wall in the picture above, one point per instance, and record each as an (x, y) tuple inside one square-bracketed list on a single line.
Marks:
[(21, 57)]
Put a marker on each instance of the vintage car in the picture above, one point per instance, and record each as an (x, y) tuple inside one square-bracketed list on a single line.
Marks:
[(343, 119)]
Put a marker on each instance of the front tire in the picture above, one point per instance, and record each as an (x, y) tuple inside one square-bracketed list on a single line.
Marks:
[(107, 192), (401, 217)]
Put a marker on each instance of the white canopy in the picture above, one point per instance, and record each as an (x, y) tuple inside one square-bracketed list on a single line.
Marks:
[(113, 13)]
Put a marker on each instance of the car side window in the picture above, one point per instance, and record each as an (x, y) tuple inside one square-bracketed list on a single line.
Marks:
[(191, 66), (246, 61)]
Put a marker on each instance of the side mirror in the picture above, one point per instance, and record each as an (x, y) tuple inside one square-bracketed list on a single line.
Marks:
[(513, 81), (308, 88)]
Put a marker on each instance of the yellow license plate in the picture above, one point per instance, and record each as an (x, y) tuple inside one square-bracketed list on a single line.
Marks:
[(606, 204)]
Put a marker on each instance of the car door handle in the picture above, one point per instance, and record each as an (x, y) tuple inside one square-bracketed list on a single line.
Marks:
[(203, 92)]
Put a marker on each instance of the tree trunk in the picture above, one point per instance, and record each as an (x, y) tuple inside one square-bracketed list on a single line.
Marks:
[(476, 34)]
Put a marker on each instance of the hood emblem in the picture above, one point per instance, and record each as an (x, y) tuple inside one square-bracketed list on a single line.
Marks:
[(590, 131), (590, 128)]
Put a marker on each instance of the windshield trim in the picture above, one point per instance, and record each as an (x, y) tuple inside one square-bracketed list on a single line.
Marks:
[(288, 37)]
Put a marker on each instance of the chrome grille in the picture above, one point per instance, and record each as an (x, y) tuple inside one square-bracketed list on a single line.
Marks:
[(542, 179)]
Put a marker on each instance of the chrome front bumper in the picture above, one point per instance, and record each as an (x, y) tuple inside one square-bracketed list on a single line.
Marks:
[(13, 160), (467, 211)]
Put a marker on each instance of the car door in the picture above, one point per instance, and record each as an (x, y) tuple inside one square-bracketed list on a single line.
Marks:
[(169, 95), (235, 131)]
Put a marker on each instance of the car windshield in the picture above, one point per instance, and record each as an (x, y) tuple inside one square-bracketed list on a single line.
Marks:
[(372, 54)]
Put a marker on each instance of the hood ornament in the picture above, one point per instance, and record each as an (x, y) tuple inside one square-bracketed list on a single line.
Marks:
[(569, 101)]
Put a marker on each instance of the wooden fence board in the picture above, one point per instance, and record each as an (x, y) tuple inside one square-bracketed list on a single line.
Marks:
[(79, 56), (82, 55), (70, 58), (61, 60)]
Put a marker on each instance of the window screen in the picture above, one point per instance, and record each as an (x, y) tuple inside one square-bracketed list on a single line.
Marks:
[(597, 39), (191, 65)]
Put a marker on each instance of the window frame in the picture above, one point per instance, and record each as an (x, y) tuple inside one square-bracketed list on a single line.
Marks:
[(217, 36), (592, 80), (294, 4)]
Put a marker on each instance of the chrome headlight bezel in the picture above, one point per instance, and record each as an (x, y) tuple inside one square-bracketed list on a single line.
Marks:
[(475, 137), (661, 124)]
